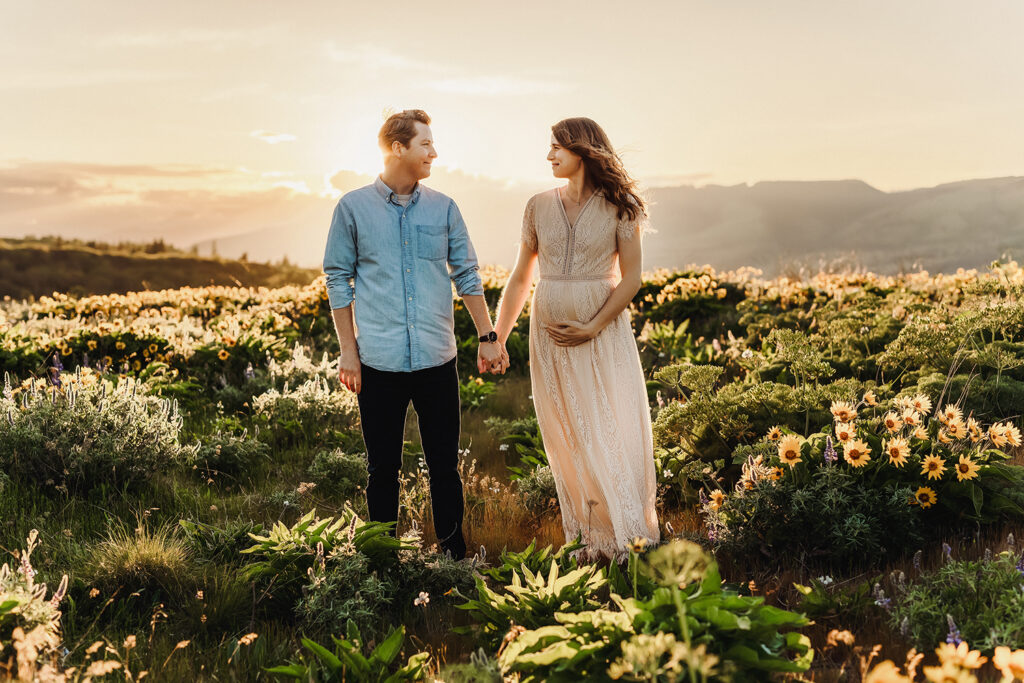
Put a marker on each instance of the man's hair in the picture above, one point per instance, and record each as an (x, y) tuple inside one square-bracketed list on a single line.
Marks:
[(401, 127)]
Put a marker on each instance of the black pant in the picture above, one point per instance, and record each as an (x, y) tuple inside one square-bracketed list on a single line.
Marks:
[(383, 403)]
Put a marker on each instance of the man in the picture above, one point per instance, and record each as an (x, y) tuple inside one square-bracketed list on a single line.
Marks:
[(404, 244)]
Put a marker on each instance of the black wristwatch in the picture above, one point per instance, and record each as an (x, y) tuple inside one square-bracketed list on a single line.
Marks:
[(491, 336)]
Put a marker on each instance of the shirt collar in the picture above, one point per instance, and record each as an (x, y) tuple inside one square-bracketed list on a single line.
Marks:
[(388, 195)]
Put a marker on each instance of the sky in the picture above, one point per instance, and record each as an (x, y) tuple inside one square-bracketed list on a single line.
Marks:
[(197, 119)]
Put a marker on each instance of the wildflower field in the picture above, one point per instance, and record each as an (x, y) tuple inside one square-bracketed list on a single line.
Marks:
[(841, 484)]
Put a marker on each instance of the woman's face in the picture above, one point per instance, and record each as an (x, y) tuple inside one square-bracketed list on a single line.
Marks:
[(564, 163)]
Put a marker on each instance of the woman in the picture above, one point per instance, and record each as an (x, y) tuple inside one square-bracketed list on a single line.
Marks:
[(588, 385)]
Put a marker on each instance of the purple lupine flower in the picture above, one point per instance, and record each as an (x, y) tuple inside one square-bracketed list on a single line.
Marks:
[(830, 452), (947, 551), (249, 372), (56, 361), (880, 599), (953, 637), (1020, 565), (85, 360), (917, 560)]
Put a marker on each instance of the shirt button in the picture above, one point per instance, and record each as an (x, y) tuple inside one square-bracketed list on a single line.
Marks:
[(410, 298), (408, 270), (407, 241), (411, 326)]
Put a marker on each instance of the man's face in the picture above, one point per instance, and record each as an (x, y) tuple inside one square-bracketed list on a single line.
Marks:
[(420, 154)]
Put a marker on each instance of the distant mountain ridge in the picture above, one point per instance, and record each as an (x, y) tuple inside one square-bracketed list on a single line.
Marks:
[(772, 225), (775, 225)]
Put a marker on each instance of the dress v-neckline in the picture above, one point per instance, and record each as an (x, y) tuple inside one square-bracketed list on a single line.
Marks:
[(572, 225)]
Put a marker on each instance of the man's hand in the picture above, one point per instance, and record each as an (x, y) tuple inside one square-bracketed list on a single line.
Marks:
[(491, 357), (349, 369)]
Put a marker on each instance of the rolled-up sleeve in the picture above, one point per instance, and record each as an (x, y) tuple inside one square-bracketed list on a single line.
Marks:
[(465, 271), (340, 258)]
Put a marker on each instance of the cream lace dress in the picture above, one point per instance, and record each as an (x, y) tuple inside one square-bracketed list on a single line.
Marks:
[(591, 399)]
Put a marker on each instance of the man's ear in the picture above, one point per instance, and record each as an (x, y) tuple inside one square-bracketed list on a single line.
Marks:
[(397, 148)]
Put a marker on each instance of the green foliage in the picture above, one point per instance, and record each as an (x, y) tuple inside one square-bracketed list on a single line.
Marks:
[(229, 454), (523, 437), (835, 518), (474, 391), (287, 555), (531, 600), (537, 490), (141, 559), (347, 661), (982, 598), (299, 415), (538, 561), (686, 627), (340, 473)]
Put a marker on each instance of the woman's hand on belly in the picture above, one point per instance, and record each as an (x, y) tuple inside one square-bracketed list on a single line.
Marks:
[(571, 332)]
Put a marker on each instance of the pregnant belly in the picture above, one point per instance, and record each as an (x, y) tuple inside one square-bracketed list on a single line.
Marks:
[(557, 301)]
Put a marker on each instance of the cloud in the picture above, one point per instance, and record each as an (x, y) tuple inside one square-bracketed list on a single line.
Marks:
[(272, 138), (42, 80), (374, 58), (217, 39)]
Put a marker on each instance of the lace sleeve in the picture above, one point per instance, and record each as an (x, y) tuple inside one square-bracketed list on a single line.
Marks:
[(530, 226), (628, 228)]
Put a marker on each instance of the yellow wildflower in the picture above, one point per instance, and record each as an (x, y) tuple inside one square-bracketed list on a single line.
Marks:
[(961, 655), (886, 672), (920, 433), (911, 418), (966, 469), (925, 497), (716, 499), (997, 435), (951, 413), (921, 403), (933, 466), (870, 399), (897, 449), (789, 450), (892, 421), (856, 453), (1010, 663), (845, 431), (774, 434), (223, 354), (843, 411)]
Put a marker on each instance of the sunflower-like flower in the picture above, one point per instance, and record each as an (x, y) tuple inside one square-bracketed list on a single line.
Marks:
[(91, 344), (920, 433), (789, 450), (925, 496), (951, 413), (774, 434), (974, 430), (886, 672), (921, 403), (845, 431), (943, 436), (996, 435), (897, 449), (966, 469), (870, 399), (223, 354), (843, 411), (119, 345), (1010, 663), (960, 655), (716, 499), (934, 466), (892, 421), (957, 429), (911, 417), (1010, 433), (857, 453)]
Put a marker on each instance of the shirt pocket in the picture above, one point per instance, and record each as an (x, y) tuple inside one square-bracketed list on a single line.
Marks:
[(432, 242)]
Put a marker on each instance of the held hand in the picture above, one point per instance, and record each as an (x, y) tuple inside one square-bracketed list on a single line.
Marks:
[(350, 371), (571, 333), (489, 358)]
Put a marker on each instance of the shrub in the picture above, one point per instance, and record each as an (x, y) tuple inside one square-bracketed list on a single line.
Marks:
[(87, 433), (229, 454), (979, 601), (292, 415), (537, 490), (339, 472)]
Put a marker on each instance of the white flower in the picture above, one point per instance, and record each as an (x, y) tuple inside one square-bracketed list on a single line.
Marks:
[(503, 447), (825, 580), (423, 599)]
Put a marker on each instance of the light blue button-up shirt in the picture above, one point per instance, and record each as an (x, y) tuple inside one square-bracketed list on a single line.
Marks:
[(402, 260)]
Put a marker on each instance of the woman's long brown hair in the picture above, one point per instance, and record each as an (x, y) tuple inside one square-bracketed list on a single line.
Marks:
[(603, 166)]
